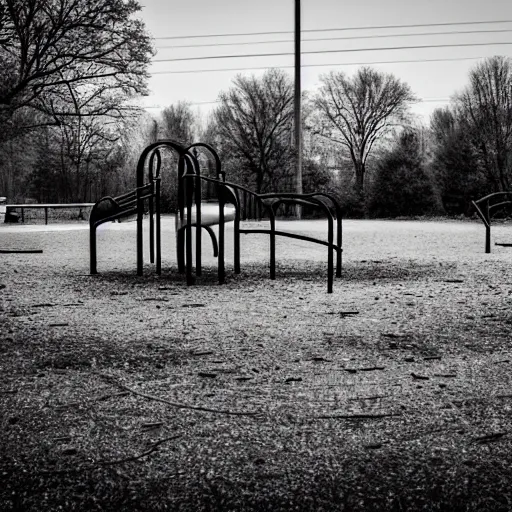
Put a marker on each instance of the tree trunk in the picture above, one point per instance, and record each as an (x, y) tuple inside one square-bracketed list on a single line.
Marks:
[(259, 181), (360, 169)]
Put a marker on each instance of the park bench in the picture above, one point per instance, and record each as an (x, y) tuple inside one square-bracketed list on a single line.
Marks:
[(196, 212), (12, 216), (488, 207)]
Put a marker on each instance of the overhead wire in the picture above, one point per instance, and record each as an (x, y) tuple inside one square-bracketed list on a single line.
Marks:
[(334, 64), (380, 27), (380, 36), (344, 50)]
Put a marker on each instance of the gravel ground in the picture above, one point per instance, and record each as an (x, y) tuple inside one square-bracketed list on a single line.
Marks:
[(120, 392)]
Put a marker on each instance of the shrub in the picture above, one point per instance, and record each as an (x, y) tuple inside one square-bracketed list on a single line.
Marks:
[(402, 185)]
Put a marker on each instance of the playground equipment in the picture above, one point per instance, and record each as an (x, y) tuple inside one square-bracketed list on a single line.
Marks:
[(488, 206), (233, 203)]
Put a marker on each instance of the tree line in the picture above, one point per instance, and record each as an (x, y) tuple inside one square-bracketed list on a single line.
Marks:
[(72, 71)]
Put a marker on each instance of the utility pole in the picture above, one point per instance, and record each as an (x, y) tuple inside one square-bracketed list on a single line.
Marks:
[(297, 107)]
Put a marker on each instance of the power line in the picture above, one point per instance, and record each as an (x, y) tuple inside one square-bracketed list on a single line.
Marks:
[(381, 27), (317, 65), (424, 100), (244, 43), (346, 50)]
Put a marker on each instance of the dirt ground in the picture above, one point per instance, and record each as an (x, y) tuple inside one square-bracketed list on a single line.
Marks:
[(120, 392)]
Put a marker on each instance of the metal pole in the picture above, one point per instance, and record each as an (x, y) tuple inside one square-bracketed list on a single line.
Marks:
[(298, 120)]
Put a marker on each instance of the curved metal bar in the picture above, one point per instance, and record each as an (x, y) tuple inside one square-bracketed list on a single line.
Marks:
[(485, 212), (95, 214), (188, 191), (154, 177), (339, 233), (120, 205), (276, 199), (494, 194), (233, 195), (114, 216), (291, 235), (235, 187), (309, 199), (194, 192), (154, 155), (158, 224), (92, 235), (480, 213), (164, 143), (497, 205), (334, 203), (298, 199), (218, 163), (140, 201), (221, 176), (225, 193), (215, 245)]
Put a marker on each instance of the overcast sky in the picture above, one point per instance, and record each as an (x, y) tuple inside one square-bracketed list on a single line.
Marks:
[(430, 81)]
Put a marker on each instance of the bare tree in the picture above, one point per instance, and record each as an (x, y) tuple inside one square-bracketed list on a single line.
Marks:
[(73, 65), (47, 44), (178, 123), (88, 121), (16, 157), (254, 124), (443, 124), (358, 112), (484, 109)]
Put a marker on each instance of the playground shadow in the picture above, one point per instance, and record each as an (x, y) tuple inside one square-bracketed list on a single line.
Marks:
[(286, 271)]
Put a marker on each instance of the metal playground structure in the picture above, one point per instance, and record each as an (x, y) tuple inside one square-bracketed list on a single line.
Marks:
[(197, 212)]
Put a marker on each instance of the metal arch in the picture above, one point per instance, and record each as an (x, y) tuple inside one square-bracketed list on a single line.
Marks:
[(218, 163), (154, 179), (483, 207), (304, 200), (188, 189), (334, 203), (190, 186), (151, 150), (164, 143)]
